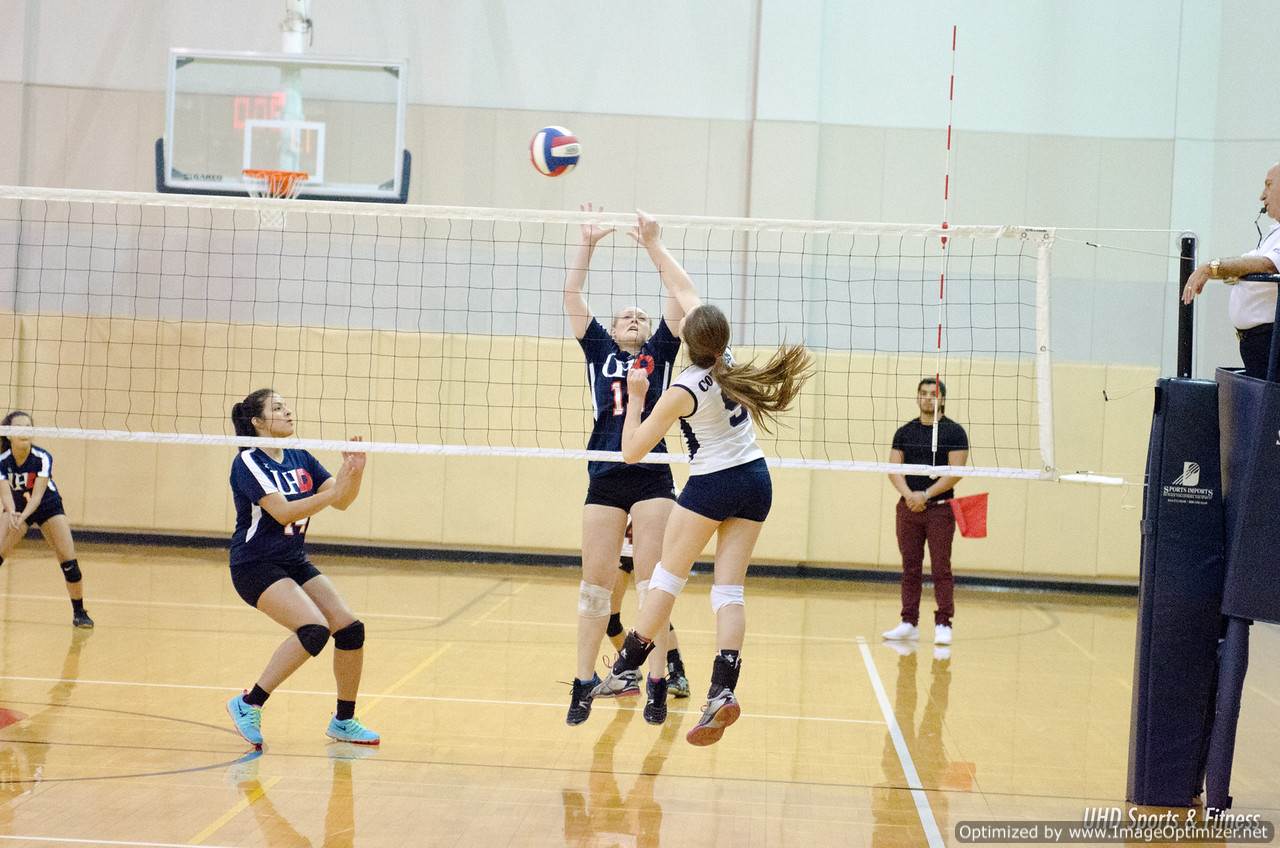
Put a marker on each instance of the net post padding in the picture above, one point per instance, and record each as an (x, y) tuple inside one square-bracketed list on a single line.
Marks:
[(278, 185)]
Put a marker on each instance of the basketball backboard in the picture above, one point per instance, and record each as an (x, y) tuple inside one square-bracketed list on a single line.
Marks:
[(340, 120)]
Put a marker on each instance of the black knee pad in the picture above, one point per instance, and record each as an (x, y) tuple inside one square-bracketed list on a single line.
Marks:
[(70, 570), (349, 638), (615, 625), (626, 564), (313, 638)]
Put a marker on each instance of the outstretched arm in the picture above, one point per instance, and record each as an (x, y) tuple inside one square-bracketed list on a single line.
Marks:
[(1228, 269), (639, 437), (682, 297), (575, 303)]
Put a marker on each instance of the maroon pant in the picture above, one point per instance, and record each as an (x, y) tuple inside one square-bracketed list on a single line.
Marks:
[(937, 526)]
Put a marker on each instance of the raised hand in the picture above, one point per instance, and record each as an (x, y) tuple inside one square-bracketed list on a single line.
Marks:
[(637, 382), (592, 233), (353, 461), (646, 232)]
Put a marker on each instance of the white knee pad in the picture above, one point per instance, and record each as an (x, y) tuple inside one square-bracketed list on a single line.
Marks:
[(642, 589), (722, 596), (663, 580), (593, 600)]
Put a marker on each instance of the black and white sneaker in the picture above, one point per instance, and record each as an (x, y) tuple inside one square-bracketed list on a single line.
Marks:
[(580, 700), (719, 712), (655, 709), (81, 619), (628, 680)]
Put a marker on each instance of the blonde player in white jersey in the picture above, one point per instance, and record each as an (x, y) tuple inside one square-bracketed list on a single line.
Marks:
[(729, 492)]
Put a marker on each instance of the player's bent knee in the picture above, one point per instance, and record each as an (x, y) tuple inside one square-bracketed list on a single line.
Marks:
[(349, 638), (313, 638), (642, 591), (71, 571), (665, 581), (723, 596), (593, 600)]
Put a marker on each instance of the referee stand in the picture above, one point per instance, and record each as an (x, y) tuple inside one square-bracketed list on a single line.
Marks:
[(1208, 570)]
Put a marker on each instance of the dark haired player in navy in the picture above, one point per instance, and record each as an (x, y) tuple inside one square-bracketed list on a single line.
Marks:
[(32, 498), (646, 492), (276, 491)]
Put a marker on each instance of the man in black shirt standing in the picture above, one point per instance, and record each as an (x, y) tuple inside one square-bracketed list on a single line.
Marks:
[(923, 513)]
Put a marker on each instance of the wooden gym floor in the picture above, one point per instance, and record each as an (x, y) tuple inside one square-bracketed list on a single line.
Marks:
[(118, 736)]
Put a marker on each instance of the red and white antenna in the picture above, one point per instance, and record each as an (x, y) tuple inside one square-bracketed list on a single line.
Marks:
[(942, 274)]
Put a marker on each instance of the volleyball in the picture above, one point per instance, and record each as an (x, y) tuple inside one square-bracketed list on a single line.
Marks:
[(554, 151)]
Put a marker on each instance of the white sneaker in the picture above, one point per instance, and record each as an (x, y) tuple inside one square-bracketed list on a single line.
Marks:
[(904, 630), (942, 634)]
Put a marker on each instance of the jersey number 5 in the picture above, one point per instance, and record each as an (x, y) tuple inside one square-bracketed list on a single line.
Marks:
[(737, 412), (297, 528)]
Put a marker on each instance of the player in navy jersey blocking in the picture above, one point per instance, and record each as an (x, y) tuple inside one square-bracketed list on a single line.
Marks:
[(32, 498), (276, 491), (647, 492), (729, 492)]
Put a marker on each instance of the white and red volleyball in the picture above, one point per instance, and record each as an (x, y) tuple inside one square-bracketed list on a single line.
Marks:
[(554, 151)]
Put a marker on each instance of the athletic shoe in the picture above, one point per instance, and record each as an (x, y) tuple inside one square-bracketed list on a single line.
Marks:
[(617, 684), (655, 709), (942, 634), (247, 718), (718, 713), (904, 630), (80, 618), (351, 730), (580, 700), (677, 683), (630, 681)]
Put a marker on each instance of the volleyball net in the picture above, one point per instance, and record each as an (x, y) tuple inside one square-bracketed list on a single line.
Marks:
[(442, 330)]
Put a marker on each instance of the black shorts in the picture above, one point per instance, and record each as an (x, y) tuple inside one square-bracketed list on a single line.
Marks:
[(626, 486), (744, 491), (45, 511), (252, 580)]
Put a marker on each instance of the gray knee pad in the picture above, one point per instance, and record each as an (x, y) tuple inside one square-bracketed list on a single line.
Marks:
[(349, 638), (71, 571), (313, 638)]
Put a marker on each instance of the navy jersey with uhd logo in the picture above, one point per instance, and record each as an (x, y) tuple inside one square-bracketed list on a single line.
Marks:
[(22, 478), (607, 366), (254, 475)]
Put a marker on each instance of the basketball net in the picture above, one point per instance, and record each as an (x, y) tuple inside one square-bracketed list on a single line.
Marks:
[(281, 185)]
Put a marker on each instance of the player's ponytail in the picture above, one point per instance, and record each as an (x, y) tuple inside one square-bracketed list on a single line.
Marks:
[(7, 420), (243, 413), (764, 390)]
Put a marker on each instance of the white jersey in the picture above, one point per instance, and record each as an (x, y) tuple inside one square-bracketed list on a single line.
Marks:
[(719, 432)]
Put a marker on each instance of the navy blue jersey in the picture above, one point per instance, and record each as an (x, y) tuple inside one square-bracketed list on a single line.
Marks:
[(607, 366), (22, 478), (254, 475)]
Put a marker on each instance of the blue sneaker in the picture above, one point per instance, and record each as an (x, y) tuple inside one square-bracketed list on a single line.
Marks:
[(247, 719), (351, 730)]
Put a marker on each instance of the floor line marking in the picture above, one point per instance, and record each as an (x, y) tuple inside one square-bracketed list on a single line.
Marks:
[(67, 840), (429, 698), (904, 755), (239, 807)]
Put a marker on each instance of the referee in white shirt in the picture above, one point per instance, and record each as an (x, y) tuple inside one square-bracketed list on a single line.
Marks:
[(1253, 305)]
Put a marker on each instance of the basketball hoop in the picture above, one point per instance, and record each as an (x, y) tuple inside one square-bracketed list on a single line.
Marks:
[(280, 185)]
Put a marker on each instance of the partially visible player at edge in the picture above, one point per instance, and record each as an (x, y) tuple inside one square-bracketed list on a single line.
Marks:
[(646, 492), (677, 681), (729, 492), (276, 491), (31, 497)]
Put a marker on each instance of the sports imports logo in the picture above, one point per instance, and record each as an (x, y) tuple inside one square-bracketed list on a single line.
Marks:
[(1186, 489)]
